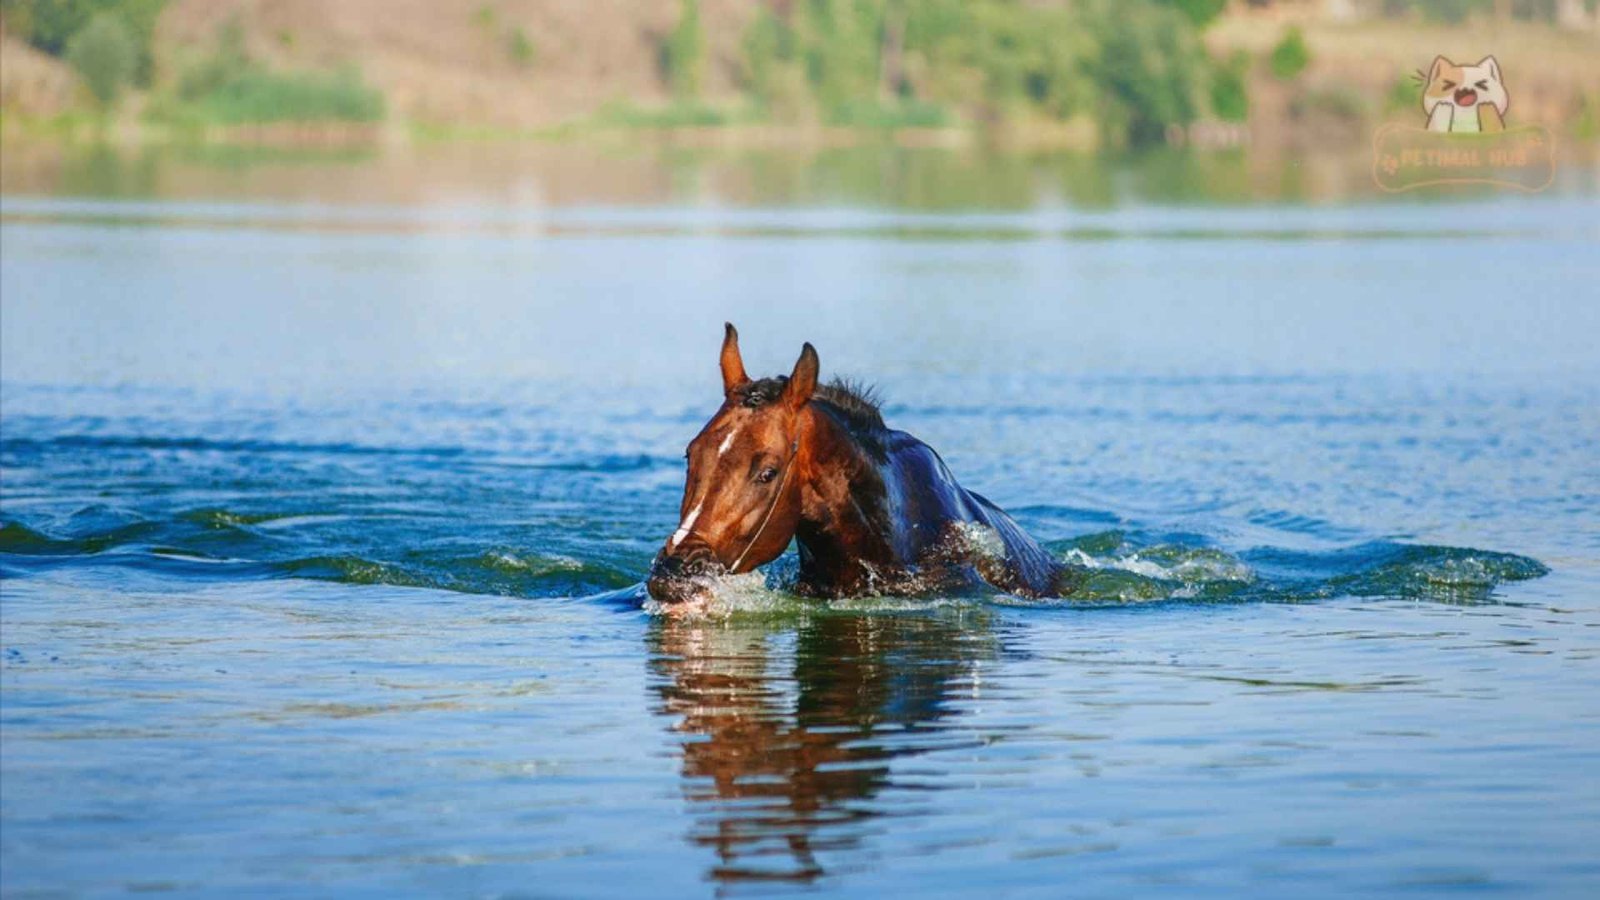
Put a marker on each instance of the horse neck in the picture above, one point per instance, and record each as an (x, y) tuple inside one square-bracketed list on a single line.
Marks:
[(842, 497)]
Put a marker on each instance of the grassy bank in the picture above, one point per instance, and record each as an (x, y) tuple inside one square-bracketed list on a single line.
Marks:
[(1074, 73)]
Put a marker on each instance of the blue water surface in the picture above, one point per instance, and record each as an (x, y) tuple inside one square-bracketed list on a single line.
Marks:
[(320, 528)]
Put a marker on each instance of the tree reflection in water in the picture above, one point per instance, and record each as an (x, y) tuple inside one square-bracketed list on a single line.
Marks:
[(789, 730)]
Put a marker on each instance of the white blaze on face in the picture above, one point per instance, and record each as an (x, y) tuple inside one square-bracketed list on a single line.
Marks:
[(688, 521), (683, 529)]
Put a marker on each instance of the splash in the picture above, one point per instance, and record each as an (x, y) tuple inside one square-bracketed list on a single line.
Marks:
[(722, 596), (1117, 572), (1117, 568)]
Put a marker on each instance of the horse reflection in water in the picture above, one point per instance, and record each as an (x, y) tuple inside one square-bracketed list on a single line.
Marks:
[(783, 739)]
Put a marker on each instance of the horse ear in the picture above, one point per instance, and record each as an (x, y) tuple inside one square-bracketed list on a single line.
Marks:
[(732, 363), (803, 381)]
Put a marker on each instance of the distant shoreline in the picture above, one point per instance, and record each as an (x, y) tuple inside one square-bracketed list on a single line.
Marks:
[(1353, 79)]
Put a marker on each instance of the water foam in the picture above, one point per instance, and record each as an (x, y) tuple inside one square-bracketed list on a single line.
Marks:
[(720, 596), (1186, 564)]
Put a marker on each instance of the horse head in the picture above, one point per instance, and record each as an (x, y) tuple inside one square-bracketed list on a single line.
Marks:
[(741, 499)]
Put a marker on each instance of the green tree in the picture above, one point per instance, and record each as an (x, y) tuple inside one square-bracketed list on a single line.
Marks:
[(1137, 65), (841, 59), (765, 44), (1149, 67), (1291, 56), (103, 53), (682, 56), (50, 24), (229, 87), (1230, 100)]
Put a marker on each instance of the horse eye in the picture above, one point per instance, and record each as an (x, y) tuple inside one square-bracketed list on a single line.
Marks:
[(767, 475)]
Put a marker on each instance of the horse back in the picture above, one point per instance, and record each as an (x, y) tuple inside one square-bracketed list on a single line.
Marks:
[(925, 500)]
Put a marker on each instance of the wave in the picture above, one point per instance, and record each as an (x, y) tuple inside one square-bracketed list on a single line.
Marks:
[(500, 572), (1169, 572), (1116, 572), (213, 543), (1118, 567)]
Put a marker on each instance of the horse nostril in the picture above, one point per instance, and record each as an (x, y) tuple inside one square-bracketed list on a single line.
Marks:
[(667, 567), (691, 562)]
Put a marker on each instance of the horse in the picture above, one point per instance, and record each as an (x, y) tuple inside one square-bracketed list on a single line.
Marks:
[(874, 511)]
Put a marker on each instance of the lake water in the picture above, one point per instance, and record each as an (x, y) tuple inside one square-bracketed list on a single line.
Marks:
[(321, 523)]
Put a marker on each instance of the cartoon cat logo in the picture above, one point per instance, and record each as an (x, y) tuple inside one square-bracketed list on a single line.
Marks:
[(1465, 98), (1467, 139)]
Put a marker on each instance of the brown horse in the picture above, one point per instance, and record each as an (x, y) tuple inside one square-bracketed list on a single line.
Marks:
[(874, 510)]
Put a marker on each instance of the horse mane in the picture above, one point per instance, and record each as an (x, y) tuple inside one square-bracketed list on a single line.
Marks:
[(854, 403)]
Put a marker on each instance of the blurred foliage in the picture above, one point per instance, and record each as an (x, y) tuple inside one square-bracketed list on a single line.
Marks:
[(229, 87), (1230, 99), (767, 44), (1586, 118), (1454, 12), (521, 48), (685, 114), (683, 53), (103, 52), (1149, 59), (1338, 101), (50, 25), (1130, 69), (1200, 12), (1135, 66), (256, 95), (1404, 93), (869, 113), (1451, 11), (1291, 56)]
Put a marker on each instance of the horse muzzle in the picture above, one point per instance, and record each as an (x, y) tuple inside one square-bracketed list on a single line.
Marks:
[(684, 575)]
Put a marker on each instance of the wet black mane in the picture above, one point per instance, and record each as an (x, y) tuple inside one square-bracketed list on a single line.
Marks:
[(856, 402), (853, 403)]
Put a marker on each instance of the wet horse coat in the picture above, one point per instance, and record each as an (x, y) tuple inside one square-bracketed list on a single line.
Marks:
[(901, 522), (872, 509)]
